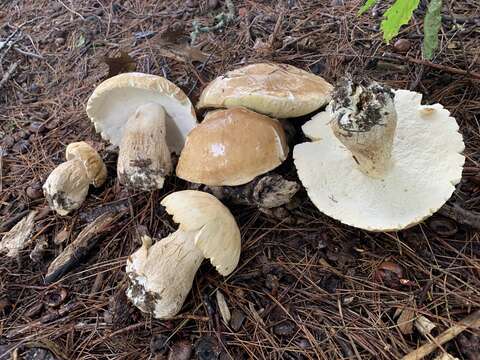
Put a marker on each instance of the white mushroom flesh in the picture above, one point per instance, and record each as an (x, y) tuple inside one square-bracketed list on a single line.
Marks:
[(144, 158), (162, 274)]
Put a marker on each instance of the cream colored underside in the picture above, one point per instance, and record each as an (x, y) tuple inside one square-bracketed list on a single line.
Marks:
[(427, 164)]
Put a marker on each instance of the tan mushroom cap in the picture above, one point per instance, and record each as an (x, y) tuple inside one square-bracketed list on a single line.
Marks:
[(96, 170), (218, 235), (231, 147), (277, 90), (117, 98)]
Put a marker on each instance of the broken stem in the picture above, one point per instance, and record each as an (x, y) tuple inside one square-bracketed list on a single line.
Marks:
[(364, 120)]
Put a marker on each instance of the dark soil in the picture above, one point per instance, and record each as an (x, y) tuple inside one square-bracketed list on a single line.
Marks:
[(307, 287)]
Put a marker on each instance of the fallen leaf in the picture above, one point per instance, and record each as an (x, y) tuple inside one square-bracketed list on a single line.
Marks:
[(405, 321), (424, 325), (117, 65), (172, 43), (19, 236)]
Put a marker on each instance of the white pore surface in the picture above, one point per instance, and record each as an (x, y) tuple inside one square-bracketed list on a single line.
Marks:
[(113, 108), (427, 164)]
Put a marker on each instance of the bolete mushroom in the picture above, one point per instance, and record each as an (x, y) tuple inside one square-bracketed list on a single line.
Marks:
[(380, 160), (277, 90), (67, 185), (148, 117), (232, 147), (161, 274)]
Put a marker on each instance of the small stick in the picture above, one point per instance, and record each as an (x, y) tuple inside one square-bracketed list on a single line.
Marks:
[(473, 320), (461, 215), (8, 73), (446, 68)]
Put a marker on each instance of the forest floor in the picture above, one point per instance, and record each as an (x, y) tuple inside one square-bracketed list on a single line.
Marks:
[(307, 287)]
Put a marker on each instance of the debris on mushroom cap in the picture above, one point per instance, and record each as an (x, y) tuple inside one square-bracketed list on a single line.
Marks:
[(144, 158), (426, 164), (96, 169), (161, 275), (232, 147), (277, 90), (67, 185), (116, 99)]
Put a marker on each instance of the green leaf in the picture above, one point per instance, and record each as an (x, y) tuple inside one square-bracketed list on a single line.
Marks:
[(431, 26), (397, 15), (368, 4)]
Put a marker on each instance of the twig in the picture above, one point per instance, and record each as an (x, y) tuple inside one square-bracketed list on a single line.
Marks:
[(26, 53), (461, 215), (446, 68), (71, 10), (8, 73), (12, 221), (473, 320)]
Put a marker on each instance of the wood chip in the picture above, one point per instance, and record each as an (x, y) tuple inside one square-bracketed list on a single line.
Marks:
[(223, 307), (74, 252), (19, 236), (424, 325)]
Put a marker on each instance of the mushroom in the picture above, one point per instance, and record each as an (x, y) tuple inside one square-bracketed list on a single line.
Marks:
[(148, 117), (67, 185), (232, 147), (161, 274), (277, 90), (380, 160)]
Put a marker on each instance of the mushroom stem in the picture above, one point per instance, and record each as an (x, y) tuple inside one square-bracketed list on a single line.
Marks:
[(162, 274), (364, 120), (144, 158)]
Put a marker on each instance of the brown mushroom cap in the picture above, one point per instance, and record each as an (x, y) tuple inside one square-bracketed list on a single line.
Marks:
[(277, 90), (231, 147)]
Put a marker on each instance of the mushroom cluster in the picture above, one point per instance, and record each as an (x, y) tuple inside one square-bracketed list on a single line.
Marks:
[(378, 160)]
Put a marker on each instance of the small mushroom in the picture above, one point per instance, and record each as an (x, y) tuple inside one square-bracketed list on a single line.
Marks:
[(161, 273), (67, 185), (277, 90), (148, 117), (232, 147), (378, 161)]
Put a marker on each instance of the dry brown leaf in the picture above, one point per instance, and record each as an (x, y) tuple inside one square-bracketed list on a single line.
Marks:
[(171, 43), (122, 64), (405, 321)]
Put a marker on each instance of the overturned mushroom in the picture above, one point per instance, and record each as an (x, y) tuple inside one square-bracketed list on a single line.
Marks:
[(277, 90), (67, 185), (379, 159), (231, 148), (161, 274), (148, 117)]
